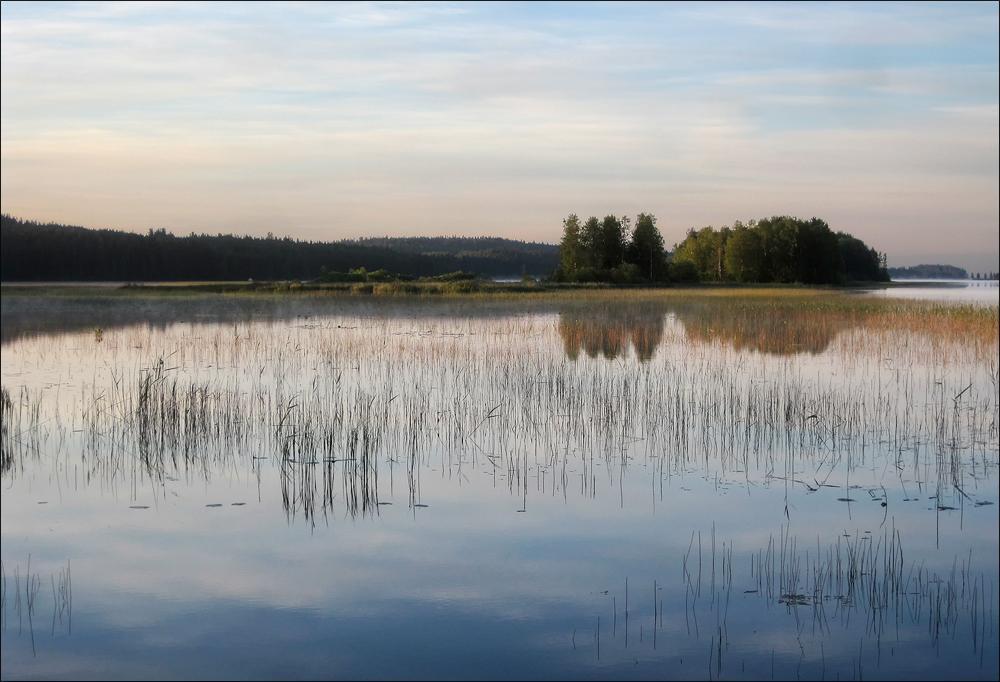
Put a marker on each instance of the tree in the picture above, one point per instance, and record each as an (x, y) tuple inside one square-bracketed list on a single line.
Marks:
[(705, 249), (37, 251), (817, 254), (778, 249), (779, 236), (590, 243), (645, 249), (858, 261), (611, 252), (570, 248), (745, 254)]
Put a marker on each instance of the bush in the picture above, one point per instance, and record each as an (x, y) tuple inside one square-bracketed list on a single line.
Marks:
[(588, 274), (380, 275), (462, 287), (626, 273), (395, 288), (683, 271), (456, 276)]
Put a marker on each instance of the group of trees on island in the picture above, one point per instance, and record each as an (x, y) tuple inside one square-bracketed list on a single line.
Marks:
[(938, 271), (780, 249), (610, 250)]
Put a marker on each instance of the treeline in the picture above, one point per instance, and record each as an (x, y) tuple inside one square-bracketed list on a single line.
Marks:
[(929, 271), (611, 250), (498, 255), (34, 251), (461, 245), (780, 249)]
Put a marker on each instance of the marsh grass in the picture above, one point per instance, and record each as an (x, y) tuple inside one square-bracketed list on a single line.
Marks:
[(20, 594), (809, 394), (861, 582), (793, 386)]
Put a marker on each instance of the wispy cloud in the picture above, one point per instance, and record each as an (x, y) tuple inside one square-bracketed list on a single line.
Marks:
[(337, 120)]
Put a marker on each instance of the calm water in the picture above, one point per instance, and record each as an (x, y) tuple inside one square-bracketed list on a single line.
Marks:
[(350, 488), (980, 292)]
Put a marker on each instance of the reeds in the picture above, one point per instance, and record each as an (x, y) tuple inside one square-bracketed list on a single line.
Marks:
[(340, 398), (20, 594), (861, 583)]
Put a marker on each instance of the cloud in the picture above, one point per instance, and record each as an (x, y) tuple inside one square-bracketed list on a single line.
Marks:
[(324, 121)]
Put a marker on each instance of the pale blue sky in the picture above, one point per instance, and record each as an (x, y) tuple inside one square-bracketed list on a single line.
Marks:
[(328, 121)]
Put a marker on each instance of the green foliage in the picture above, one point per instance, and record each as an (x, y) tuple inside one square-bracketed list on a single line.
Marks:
[(357, 275), (590, 245), (744, 259), (588, 274), (645, 250), (859, 262), (683, 272), (626, 273), (570, 247), (603, 251), (611, 245), (456, 276), (779, 249), (705, 249), (817, 253)]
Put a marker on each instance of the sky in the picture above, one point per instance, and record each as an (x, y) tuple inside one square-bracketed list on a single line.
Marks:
[(326, 121)]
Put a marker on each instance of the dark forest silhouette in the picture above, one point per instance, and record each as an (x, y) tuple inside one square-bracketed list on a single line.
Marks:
[(34, 251)]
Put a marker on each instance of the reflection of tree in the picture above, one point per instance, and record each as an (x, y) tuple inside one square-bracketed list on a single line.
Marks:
[(765, 329), (609, 332)]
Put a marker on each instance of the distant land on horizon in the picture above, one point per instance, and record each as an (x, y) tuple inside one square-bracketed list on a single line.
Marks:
[(929, 271), (34, 251), (42, 252)]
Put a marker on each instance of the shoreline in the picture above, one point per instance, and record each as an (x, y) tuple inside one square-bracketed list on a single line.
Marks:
[(429, 288)]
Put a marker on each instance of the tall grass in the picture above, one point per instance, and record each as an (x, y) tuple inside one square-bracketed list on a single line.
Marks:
[(734, 389)]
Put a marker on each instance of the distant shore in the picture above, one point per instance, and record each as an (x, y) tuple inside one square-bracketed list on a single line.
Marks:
[(423, 288)]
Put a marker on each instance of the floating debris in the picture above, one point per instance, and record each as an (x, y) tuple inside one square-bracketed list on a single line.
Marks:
[(794, 600)]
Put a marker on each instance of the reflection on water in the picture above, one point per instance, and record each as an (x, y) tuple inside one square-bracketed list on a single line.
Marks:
[(596, 329), (295, 488), (609, 331), (781, 331), (976, 292)]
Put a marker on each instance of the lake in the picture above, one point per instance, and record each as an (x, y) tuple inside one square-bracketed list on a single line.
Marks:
[(982, 292), (629, 485)]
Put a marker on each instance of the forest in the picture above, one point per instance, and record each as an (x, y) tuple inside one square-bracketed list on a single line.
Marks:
[(33, 251), (780, 249), (612, 249)]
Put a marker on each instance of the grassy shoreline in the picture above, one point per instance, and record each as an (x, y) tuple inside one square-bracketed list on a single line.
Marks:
[(413, 288)]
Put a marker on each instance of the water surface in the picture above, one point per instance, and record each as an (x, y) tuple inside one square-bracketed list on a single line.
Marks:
[(254, 487), (978, 292)]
